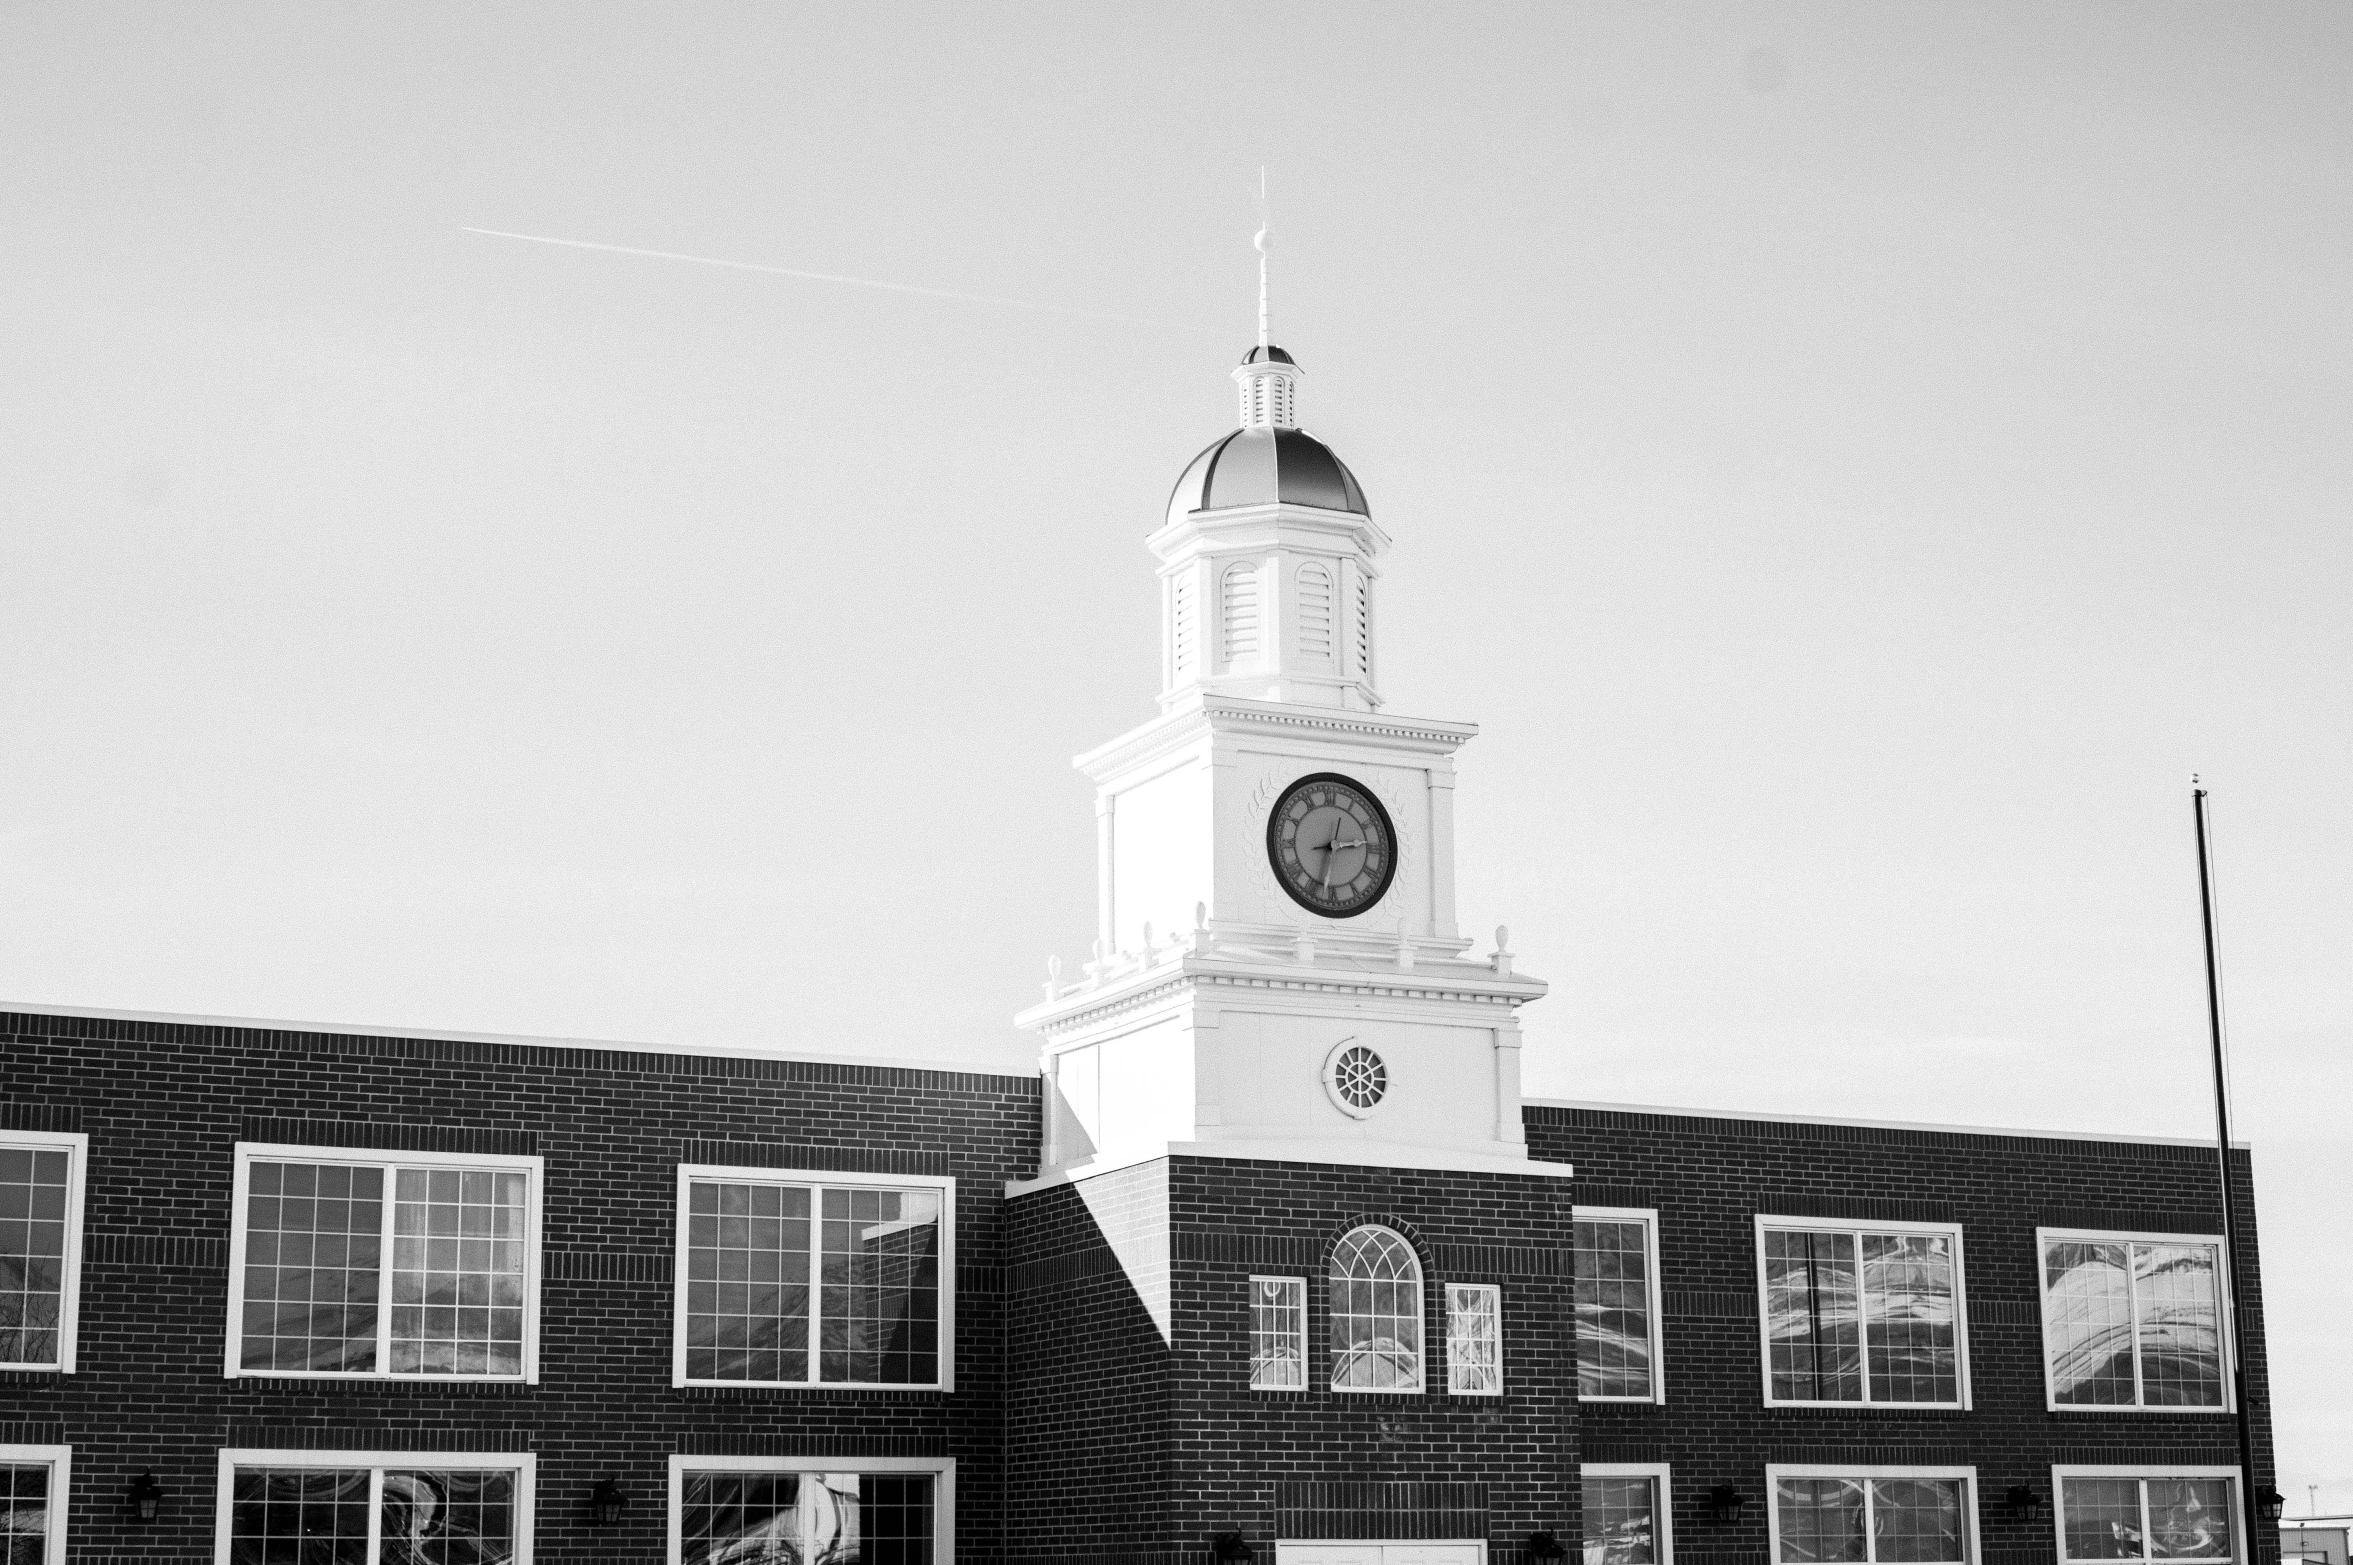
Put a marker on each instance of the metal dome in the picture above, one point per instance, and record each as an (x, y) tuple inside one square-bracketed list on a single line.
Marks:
[(1262, 467), (1268, 354)]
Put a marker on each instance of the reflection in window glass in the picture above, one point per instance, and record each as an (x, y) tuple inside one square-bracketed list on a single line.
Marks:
[(1474, 1339), (33, 1191), (2130, 1322), (1621, 1521), (2146, 1518), (1859, 1316), (734, 1518), (321, 1516), (1278, 1333), (24, 1512), (313, 1273), (298, 1516), (1376, 1300), (1880, 1521), (457, 1271), (448, 1518), (1611, 1261)]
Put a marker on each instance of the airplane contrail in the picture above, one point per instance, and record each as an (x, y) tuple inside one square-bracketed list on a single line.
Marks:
[(831, 277)]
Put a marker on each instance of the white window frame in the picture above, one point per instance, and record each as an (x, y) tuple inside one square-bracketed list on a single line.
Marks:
[(1421, 1357), (1776, 1471), (1299, 1335), (240, 1206), (943, 1490), (76, 1146), (1860, 1227), (1662, 1496), (523, 1464), (2242, 1541), (61, 1471), (1648, 1217), (943, 1183), (2225, 1327), (1494, 1295)]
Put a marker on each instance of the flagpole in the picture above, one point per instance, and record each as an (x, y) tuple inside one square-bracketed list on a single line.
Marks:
[(2232, 1290)]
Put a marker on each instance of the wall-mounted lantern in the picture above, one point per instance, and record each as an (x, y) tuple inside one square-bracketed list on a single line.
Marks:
[(606, 1502), (1231, 1548), (1543, 1547), (1724, 1503), (2022, 1501), (145, 1496), (2271, 1502)]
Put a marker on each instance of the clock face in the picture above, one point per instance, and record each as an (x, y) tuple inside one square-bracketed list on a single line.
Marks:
[(1331, 845)]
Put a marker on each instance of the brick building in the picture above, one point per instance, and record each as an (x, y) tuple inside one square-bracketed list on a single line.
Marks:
[(1269, 1257)]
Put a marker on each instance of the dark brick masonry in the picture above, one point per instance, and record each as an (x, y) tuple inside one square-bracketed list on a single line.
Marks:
[(1102, 1409)]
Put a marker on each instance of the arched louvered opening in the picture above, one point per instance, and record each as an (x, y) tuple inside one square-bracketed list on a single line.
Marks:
[(1376, 1290), (1315, 611), (1184, 628), (1241, 613)]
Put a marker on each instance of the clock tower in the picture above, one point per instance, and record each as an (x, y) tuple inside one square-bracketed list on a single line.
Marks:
[(1277, 972)]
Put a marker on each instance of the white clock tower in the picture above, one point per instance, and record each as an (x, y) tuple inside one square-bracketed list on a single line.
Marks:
[(1277, 972)]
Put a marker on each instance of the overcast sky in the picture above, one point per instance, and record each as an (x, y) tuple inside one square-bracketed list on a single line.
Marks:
[(1855, 461)]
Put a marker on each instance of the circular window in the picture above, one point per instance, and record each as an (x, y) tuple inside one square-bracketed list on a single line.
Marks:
[(1357, 1078)]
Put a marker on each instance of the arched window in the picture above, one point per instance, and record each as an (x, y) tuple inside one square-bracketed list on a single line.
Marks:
[(1376, 1313), (1241, 613)]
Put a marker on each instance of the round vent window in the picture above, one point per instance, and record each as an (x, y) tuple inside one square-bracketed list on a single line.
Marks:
[(1357, 1079)]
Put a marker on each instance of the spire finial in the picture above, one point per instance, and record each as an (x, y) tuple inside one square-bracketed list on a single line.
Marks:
[(1263, 243)]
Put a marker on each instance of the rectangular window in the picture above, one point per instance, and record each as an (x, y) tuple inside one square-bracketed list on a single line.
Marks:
[(726, 1510), (1614, 1252), (40, 1247), (2132, 1320), (1862, 1313), (2132, 1513), (793, 1278), (34, 1480), (1278, 1334), (373, 1508), (1474, 1339), (1629, 1514), (1873, 1516), (387, 1264)]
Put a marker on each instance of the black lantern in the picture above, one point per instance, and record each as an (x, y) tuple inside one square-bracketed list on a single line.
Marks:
[(146, 1496), (2270, 1502), (2022, 1500), (1232, 1546), (1544, 1546), (1724, 1503), (606, 1502)]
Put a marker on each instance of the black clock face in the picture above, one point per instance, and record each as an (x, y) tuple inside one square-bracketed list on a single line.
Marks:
[(1331, 845)]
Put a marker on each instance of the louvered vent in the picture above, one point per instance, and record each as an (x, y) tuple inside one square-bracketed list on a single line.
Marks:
[(1315, 611), (1187, 634), (1364, 629), (1241, 613)]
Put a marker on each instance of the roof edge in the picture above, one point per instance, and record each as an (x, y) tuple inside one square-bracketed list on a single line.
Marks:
[(1876, 1124)]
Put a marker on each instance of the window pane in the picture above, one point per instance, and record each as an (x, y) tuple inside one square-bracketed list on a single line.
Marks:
[(1811, 1316), (1908, 1318), (2181, 1356), (24, 1512), (2102, 1518), (894, 1522), (1612, 1267), (880, 1287), (2087, 1322), (1376, 1297), (739, 1518), (1278, 1334), (1621, 1524), (2189, 1518), (465, 1517), (1819, 1519), (33, 1183), (298, 1516), (1915, 1519), (747, 1292), (1474, 1341), (457, 1271), (313, 1233)]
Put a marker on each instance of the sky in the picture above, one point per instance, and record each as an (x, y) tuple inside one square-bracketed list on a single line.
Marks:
[(1855, 463)]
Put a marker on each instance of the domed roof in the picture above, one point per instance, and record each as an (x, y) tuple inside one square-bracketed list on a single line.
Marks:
[(1267, 353), (1263, 466)]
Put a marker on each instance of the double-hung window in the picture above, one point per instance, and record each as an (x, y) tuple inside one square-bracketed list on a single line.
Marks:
[(1629, 1514), (2147, 1514), (796, 1278), (1614, 1253), (33, 1484), (40, 1247), (1278, 1334), (871, 1510), (1873, 1516), (1474, 1339), (1866, 1313), (373, 1508), (400, 1265), (2132, 1320)]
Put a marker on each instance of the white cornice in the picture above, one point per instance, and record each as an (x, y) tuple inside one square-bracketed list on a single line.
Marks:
[(1208, 714), (1344, 1154), (1452, 983), (1656, 1110)]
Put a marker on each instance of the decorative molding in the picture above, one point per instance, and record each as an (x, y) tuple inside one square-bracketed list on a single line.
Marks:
[(386, 1135)]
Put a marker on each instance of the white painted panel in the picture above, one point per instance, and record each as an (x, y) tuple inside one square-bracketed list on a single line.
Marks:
[(1146, 1088), (1161, 837)]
